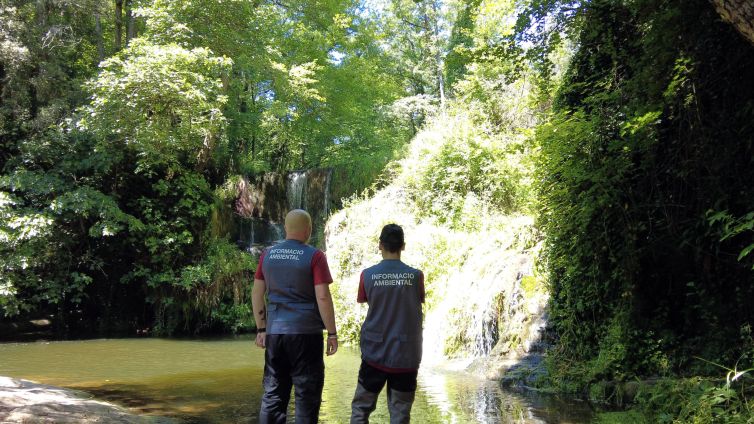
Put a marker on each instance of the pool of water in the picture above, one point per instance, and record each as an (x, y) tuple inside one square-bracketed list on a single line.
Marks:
[(220, 381)]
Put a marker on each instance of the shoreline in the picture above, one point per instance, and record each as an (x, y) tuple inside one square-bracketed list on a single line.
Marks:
[(25, 401)]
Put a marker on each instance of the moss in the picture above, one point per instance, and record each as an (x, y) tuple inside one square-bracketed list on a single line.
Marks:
[(598, 391), (620, 417), (529, 285)]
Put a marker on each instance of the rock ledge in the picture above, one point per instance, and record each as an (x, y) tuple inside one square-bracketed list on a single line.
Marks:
[(23, 401)]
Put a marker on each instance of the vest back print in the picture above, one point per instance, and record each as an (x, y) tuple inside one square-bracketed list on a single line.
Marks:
[(392, 332), (292, 306)]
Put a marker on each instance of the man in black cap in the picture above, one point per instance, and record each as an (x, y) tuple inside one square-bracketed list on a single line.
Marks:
[(391, 336)]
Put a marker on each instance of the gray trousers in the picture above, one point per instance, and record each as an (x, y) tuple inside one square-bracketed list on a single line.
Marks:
[(401, 391)]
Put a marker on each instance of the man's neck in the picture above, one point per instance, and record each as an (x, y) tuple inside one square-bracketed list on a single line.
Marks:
[(391, 255)]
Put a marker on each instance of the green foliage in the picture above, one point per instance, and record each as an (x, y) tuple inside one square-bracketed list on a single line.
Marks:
[(732, 227), (119, 152), (699, 401), (163, 101), (640, 181), (461, 41), (211, 295), (54, 226), (472, 157), (462, 169), (620, 417), (307, 86)]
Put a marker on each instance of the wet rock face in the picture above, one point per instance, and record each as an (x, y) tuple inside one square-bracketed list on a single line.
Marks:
[(318, 193), (265, 199), (271, 195)]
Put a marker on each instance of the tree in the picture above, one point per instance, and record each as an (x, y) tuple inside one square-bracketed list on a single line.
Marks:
[(164, 101), (461, 41), (738, 13), (115, 179)]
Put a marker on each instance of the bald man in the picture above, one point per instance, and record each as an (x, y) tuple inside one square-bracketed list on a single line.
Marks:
[(296, 278)]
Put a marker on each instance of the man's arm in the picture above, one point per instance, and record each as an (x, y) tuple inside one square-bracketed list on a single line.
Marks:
[(422, 293), (260, 309), (361, 296), (326, 310)]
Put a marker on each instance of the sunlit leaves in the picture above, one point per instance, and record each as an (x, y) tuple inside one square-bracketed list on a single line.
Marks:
[(733, 227), (163, 100)]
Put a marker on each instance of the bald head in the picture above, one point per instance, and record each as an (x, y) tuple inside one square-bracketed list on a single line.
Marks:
[(298, 225)]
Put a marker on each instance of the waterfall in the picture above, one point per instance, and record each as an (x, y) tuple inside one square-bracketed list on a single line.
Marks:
[(296, 190), (489, 309), (260, 234), (252, 234), (485, 304), (483, 328), (326, 203), (267, 198)]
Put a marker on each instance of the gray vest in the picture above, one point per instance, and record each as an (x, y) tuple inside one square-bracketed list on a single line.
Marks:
[(292, 306), (392, 332)]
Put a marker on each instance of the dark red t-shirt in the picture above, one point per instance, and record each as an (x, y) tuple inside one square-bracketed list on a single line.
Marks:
[(320, 270), (361, 297)]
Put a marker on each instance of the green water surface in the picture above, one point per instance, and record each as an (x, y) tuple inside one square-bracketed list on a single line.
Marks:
[(220, 381)]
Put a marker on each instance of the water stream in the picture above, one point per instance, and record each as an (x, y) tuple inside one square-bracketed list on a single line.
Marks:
[(270, 198), (219, 381), (297, 190)]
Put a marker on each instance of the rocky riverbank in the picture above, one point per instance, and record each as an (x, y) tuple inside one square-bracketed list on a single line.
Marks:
[(23, 401)]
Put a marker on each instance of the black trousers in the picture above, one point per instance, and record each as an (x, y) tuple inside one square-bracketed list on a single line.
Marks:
[(374, 379), (401, 391), (292, 360)]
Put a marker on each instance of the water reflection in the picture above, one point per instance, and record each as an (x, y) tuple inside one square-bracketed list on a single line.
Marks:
[(463, 398), (219, 381)]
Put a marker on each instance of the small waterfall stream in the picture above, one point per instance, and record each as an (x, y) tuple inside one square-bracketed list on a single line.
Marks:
[(486, 316), (326, 206), (484, 328), (485, 307), (267, 198), (297, 190)]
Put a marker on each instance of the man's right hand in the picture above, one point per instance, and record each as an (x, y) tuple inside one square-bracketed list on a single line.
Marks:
[(260, 339), (332, 345)]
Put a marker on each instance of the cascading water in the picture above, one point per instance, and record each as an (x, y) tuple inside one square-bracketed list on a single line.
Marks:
[(496, 319), (485, 307), (296, 190), (478, 293), (259, 234), (266, 199), (326, 203), (484, 328)]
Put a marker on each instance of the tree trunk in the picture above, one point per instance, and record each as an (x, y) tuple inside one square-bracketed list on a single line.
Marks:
[(118, 24), (41, 13), (739, 13), (438, 56), (130, 21), (100, 41)]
